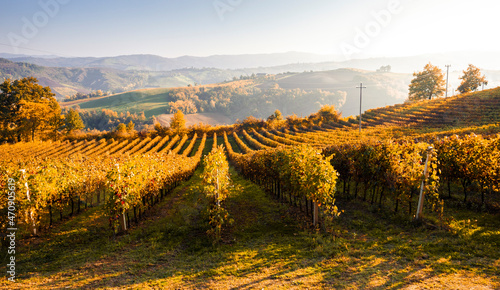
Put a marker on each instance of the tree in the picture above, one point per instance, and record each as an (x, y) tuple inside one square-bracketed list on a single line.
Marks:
[(384, 68), (275, 120), (328, 113), (26, 108), (276, 116), (73, 121), (130, 127), (427, 83), (187, 106), (57, 122), (160, 130), (178, 122), (471, 79), (121, 130), (249, 123)]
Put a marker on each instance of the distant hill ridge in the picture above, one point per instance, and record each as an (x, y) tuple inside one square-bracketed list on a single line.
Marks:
[(151, 62), (272, 62), (69, 81)]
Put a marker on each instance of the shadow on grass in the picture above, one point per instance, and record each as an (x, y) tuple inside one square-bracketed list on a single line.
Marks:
[(265, 247), (73, 241)]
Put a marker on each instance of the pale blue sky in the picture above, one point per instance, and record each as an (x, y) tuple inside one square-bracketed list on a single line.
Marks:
[(206, 27)]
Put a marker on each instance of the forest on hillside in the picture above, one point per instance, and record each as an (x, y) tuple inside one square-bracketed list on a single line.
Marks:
[(251, 101)]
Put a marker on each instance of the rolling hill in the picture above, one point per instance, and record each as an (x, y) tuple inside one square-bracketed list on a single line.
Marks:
[(67, 76), (68, 81), (472, 109), (150, 101), (382, 89), (476, 112)]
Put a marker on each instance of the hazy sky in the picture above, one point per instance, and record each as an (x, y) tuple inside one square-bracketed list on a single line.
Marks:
[(173, 28)]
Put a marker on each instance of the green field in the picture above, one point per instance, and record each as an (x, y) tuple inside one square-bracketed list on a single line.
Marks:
[(150, 101)]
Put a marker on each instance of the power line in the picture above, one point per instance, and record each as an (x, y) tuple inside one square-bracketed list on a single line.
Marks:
[(37, 50)]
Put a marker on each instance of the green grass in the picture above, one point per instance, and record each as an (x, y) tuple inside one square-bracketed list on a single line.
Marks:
[(150, 101), (233, 143), (266, 247)]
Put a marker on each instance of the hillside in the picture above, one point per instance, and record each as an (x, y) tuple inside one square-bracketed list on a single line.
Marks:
[(382, 88), (125, 73), (270, 243), (477, 112), (260, 99), (152, 101), (472, 109), (68, 81)]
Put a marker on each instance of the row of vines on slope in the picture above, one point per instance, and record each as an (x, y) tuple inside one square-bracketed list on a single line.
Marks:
[(53, 184), (471, 160), (388, 171), (140, 181), (47, 186), (216, 183), (300, 172)]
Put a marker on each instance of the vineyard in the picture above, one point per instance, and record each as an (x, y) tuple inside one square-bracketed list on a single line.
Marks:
[(126, 177), (465, 110), (419, 164)]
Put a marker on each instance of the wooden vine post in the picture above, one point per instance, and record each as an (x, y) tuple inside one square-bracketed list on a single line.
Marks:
[(123, 222), (421, 198), (315, 214)]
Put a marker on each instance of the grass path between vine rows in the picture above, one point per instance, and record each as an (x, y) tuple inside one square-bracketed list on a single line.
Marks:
[(266, 247)]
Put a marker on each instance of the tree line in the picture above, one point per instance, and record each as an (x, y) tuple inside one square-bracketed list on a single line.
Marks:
[(80, 96), (236, 101), (109, 120)]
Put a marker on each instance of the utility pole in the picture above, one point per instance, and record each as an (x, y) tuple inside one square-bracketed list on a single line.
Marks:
[(360, 101), (447, 73)]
